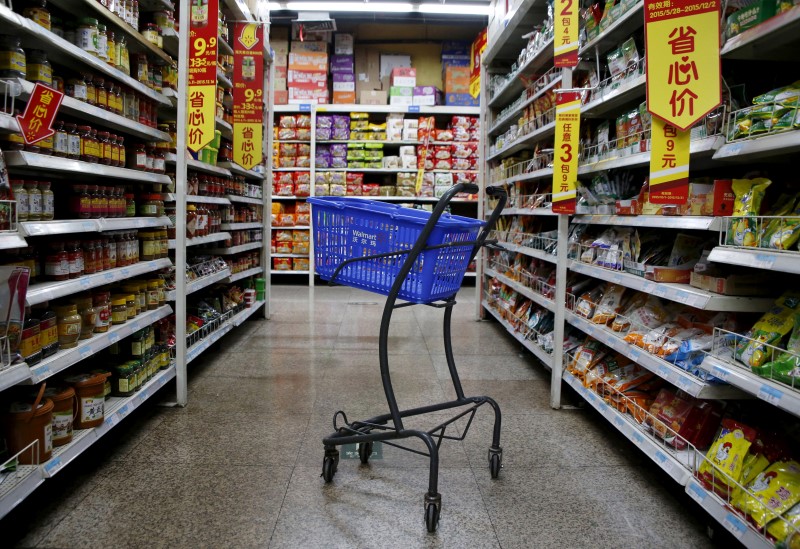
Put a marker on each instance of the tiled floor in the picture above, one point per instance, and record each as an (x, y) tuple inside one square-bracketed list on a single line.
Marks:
[(240, 466)]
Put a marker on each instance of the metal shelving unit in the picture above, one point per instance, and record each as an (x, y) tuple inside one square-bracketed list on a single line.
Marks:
[(56, 166)]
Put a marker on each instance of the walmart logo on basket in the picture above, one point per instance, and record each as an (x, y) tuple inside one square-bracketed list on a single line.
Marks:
[(365, 239)]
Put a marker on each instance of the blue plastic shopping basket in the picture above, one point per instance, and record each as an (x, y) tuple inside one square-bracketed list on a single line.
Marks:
[(348, 228)]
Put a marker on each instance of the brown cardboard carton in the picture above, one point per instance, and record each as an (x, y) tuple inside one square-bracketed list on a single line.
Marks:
[(732, 284), (344, 97), (373, 97)]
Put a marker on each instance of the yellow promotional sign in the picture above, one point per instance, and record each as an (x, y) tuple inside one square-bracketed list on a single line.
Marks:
[(565, 36), (682, 41), (202, 77), (565, 156), (669, 163)]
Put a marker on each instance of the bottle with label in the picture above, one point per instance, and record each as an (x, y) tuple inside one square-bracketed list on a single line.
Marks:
[(73, 141), (56, 265), (101, 95), (102, 42), (39, 70), (87, 35), (38, 13), (60, 140), (48, 201), (12, 57), (21, 197), (34, 201), (199, 17), (111, 48), (48, 329)]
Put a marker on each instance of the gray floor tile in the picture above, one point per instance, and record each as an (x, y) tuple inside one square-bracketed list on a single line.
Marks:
[(276, 395), (489, 367)]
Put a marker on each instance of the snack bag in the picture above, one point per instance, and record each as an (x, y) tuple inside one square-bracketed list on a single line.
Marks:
[(628, 377), (603, 368), (590, 353), (769, 330), (586, 304), (780, 528), (725, 459), (609, 305), (781, 234), (785, 368), (773, 491), (749, 194)]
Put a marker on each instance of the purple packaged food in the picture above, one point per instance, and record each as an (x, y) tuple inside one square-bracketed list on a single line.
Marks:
[(339, 162), (339, 150), (323, 159), (324, 134), (324, 121), (341, 121), (341, 134)]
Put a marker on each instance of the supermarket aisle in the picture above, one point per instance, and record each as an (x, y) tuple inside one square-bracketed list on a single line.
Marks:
[(240, 466)]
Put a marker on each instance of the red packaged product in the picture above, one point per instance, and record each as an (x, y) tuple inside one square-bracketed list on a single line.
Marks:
[(355, 178), (370, 189), (353, 190)]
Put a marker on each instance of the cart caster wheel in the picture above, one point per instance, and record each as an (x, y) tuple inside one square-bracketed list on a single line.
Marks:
[(328, 468), (431, 517), (495, 463), (364, 452)]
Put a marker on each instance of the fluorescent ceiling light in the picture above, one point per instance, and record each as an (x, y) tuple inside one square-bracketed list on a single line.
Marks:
[(383, 7)]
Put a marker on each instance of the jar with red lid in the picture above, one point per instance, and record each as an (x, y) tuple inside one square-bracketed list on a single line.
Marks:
[(150, 152), (96, 147), (89, 257), (80, 202), (104, 155), (122, 154), (101, 95), (56, 263), (102, 204), (86, 143), (111, 251), (104, 252), (160, 161), (75, 256), (91, 94)]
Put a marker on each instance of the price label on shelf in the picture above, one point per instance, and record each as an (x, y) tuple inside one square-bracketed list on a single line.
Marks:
[(112, 420), (734, 525), (686, 384), (125, 273), (305, 107), (85, 281), (770, 394), (413, 108), (53, 466), (764, 261), (696, 492), (113, 337), (663, 372), (85, 351), (123, 411), (638, 439), (720, 373), (109, 277), (634, 354)]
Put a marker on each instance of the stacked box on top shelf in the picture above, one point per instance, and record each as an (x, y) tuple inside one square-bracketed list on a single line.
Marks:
[(308, 72), (343, 70)]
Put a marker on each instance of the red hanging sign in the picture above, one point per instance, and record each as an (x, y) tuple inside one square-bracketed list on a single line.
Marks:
[(202, 73), (248, 94), (37, 122)]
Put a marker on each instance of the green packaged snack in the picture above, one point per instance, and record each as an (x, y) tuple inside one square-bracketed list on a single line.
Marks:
[(616, 64), (785, 368), (770, 329), (741, 124), (749, 194), (788, 94), (630, 54)]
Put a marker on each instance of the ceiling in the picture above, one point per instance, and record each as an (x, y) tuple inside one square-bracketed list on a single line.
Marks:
[(387, 11)]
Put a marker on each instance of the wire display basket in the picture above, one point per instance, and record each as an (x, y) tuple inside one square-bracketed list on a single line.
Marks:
[(352, 228)]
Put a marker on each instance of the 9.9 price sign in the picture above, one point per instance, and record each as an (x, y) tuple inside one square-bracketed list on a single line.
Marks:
[(248, 94), (565, 155), (202, 73)]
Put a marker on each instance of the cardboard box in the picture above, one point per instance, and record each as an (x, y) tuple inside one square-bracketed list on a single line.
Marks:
[(749, 16), (410, 134), (280, 84), (344, 86), (281, 60), (401, 91), (723, 197), (403, 76), (732, 284), (310, 61), (282, 72), (455, 61), (368, 68), (461, 100), (343, 44), (398, 100), (343, 63), (280, 46), (389, 63), (281, 97), (344, 97), (278, 33), (309, 47), (427, 100), (456, 80), (308, 79), (372, 97)]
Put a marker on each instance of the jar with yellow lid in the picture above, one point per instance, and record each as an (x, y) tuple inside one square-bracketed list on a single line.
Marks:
[(69, 326), (152, 294), (130, 303), (140, 298), (147, 245), (119, 309)]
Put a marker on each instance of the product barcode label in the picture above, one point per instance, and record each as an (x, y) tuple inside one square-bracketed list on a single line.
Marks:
[(765, 261), (638, 438), (720, 373), (85, 281), (770, 394), (633, 354), (88, 226), (619, 422), (685, 383), (85, 351), (682, 296), (52, 466), (112, 420), (109, 276), (661, 457), (663, 372), (696, 492), (305, 107), (113, 337), (734, 525)]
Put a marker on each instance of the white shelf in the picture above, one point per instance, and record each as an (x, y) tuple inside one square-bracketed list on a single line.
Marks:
[(85, 111), (11, 240), (280, 197), (616, 33), (538, 352), (779, 395), (71, 226), (279, 272), (89, 347), (16, 487), (699, 223), (729, 519), (663, 369), (680, 293), (295, 227), (289, 255), (515, 86), (236, 169), (774, 39), (292, 169), (195, 199), (200, 283), (774, 145), (201, 346), (206, 168), (244, 199), (8, 124), (383, 142), (757, 258), (674, 463), (513, 115), (523, 141), (527, 211), (388, 109), (544, 173), (224, 128), (237, 249), (522, 289), (610, 100), (245, 274), (509, 41), (698, 147), (170, 40), (200, 240), (223, 80), (62, 52), (530, 252), (239, 10), (242, 226), (48, 291), (54, 164), (14, 374), (224, 47)]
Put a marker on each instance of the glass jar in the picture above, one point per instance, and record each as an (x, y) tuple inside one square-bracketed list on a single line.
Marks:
[(123, 379), (123, 56), (84, 307), (34, 201), (150, 33), (46, 145), (80, 203), (199, 17), (111, 48), (148, 206), (114, 150), (58, 83), (30, 346), (38, 68), (152, 294), (150, 152), (122, 154), (119, 310), (147, 244), (106, 253), (111, 250), (91, 93), (191, 221), (87, 145), (130, 205), (160, 162), (139, 157), (60, 140), (102, 42), (39, 14), (105, 148), (130, 305), (73, 141), (141, 68), (48, 329), (12, 57), (69, 326), (56, 265), (75, 256), (101, 301), (48, 201), (89, 258), (95, 147), (101, 95), (87, 35)]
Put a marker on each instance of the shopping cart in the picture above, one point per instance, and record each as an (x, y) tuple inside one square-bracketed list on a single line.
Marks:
[(420, 258)]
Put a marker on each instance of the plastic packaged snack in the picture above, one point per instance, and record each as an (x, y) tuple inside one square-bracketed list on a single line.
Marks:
[(587, 356), (774, 490), (781, 234), (628, 377), (287, 121), (786, 367), (749, 194), (724, 461), (609, 305), (780, 528), (303, 120), (616, 64), (655, 338), (770, 329), (586, 304), (287, 133)]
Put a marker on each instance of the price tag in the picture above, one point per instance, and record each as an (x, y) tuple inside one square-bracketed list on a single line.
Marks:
[(85, 281), (696, 492), (770, 394), (53, 466), (682, 296), (765, 261), (734, 525), (123, 411), (663, 372), (720, 373), (109, 277), (125, 273), (634, 354), (85, 351), (685, 383), (88, 226), (661, 458), (619, 422), (649, 287), (112, 420), (113, 337), (305, 107), (729, 150), (616, 278), (135, 326), (638, 438), (413, 108)]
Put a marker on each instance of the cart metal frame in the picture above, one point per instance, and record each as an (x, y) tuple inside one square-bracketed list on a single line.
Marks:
[(389, 427)]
